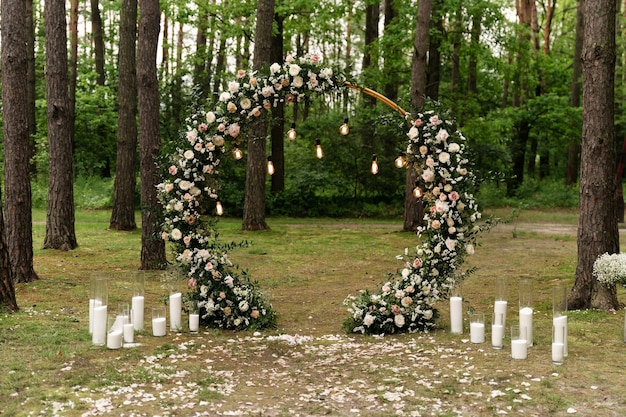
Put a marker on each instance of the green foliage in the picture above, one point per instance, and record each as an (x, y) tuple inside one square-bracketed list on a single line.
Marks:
[(539, 194)]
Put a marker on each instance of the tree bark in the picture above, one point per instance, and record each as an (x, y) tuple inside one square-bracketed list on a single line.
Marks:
[(254, 203), (597, 225), (31, 82), (16, 136), (277, 130), (573, 149), (60, 232), (152, 246), (123, 213), (8, 303), (472, 66), (391, 52), (434, 56), (98, 41)]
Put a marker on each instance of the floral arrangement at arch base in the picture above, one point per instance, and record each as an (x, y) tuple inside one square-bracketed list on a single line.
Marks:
[(406, 301), (227, 297)]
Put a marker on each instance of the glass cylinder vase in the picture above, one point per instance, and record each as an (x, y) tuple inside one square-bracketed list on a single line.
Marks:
[(526, 308)]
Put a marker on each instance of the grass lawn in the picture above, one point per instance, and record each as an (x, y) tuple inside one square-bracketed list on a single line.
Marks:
[(308, 366)]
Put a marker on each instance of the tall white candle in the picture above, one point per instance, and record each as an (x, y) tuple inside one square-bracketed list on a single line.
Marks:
[(526, 324), (519, 349), (92, 304), (499, 308), (456, 315), (497, 334), (158, 326), (560, 331), (129, 333), (477, 332), (138, 306), (557, 353), (194, 322), (176, 311), (99, 335), (114, 338)]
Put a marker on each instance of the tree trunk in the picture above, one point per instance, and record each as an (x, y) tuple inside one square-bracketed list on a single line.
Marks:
[(18, 232), (434, 56), (200, 73), (8, 303), (597, 225), (472, 66), (60, 232), (254, 203), (277, 130), (370, 51), (573, 151), (31, 83), (123, 213), (98, 40), (413, 208), (391, 55), (152, 246)]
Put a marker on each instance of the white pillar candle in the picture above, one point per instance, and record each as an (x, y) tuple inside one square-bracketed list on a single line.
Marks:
[(114, 338), (499, 308), (557, 353), (560, 331), (526, 324), (158, 326), (477, 332), (99, 335), (129, 333), (92, 304), (497, 334), (456, 315), (519, 349), (138, 306), (194, 322), (176, 311)]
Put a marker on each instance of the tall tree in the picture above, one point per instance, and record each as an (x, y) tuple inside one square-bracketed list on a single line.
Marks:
[(370, 52), (435, 38), (597, 224), (60, 233), (391, 50), (8, 302), (31, 79), (16, 137), (277, 128), (413, 209), (98, 40), (254, 203), (573, 148), (152, 246), (123, 213)]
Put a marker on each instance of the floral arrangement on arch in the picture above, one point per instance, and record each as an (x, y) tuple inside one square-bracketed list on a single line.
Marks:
[(406, 301), (226, 296)]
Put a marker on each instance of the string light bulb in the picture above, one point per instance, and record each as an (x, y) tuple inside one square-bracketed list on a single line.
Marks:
[(291, 133), (237, 154), (344, 129), (270, 166), (417, 192), (219, 209), (374, 168), (400, 161), (318, 149)]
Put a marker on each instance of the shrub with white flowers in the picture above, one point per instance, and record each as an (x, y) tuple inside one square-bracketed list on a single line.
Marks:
[(406, 302), (610, 269)]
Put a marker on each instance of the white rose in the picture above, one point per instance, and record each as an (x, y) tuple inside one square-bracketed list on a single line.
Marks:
[(399, 294), (450, 244), (176, 234), (233, 87), (413, 133), (454, 147), (178, 206), (399, 320), (469, 248), (405, 273), (245, 103), (444, 157), (275, 68), (267, 91), (185, 185), (368, 320), (428, 175), (243, 305), (224, 97), (210, 117), (326, 73), (192, 135), (294, 69), (189, 154), (442, 135), (298, 81), (428, 314)]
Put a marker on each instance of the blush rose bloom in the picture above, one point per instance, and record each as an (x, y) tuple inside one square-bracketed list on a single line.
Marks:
[(172, 170), (254, 314), (176, 234), (368, 320), (399, 320), (428, 175), (210, 117)]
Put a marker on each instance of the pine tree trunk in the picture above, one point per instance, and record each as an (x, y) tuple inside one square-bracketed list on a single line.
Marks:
[(8, 302), (277, 128), (60, 233), (152, 246), (98, 40), (573, 151), (19, 229), (31, 82), (123, 213), (597, 225)]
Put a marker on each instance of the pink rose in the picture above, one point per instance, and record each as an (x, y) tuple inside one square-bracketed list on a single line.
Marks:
[(241, 73), (454, 196), (315, 58), (202, 127), (192, 283), (254, 314), (172, 170), (221, 127), (423, 150), (187, 240), (395, 309), (233, 130), (418, 123), (417, 262)]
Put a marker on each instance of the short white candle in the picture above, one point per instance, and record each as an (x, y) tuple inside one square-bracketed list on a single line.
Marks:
[(176, 309), (477, 332), (526, 324), (114, 339), (519, 349), (158, 326), (456, 315), (92, 304), (138, 306), (194, 322), (499, 308), (557, 353), (497, 334), (129, 333), (560, 331), (99, 335)]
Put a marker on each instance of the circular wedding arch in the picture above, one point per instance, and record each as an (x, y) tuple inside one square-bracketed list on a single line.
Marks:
[(227, 297)]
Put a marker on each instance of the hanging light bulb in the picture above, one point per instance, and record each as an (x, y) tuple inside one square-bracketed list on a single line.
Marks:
[(417, 192), (344, 129), (400, 161), (318, 149), (270, 166), (374, 168), (237, 154), (291, 133), (219, 209)]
